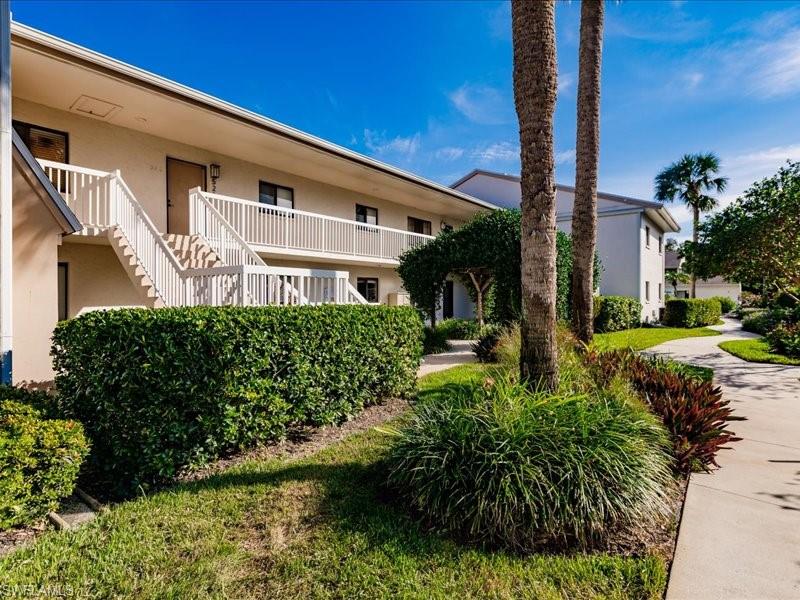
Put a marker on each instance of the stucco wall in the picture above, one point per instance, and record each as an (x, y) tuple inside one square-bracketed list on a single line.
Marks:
[(709, 290), (652, 270), (95, 278), (142, 160), (35, 240)]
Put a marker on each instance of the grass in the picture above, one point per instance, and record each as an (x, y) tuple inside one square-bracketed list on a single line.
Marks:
[(646, 337), (757, 350), (701, 373), (320, 527)]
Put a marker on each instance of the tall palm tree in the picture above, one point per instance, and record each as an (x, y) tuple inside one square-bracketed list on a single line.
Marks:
[(689, 180), (587, 154), (535, 75)]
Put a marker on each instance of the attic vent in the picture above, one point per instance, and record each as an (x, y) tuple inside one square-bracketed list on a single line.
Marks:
[(93, 107)]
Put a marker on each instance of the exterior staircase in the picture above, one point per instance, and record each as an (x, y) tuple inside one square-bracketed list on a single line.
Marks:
[(212, 266), (133, 269)]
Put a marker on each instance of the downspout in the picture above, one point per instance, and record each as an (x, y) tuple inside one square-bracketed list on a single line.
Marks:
[(6, 215)]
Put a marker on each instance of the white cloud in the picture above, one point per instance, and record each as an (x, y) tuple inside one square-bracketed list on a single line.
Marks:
[(378, 143), (449, 153), (565, 82), (483, 104), (745, 169), (664, 25), (501, 151), (565, 157)]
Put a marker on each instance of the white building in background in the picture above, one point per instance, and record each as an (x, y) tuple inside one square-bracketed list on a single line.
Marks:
[(630, 234), (705, 288)]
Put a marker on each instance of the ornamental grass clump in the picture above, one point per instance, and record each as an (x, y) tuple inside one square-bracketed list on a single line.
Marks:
[(502, 465)]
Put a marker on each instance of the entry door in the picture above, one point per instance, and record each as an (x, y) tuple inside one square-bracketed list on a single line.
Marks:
[(181, 177), (447, 303)]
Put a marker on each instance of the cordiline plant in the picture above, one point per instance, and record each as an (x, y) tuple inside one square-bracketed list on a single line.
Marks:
[(693, 411)]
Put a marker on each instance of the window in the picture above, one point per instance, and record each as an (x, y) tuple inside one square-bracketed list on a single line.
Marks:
[(368, 287), (366, 214), (647, 236), (44, 143), (276, 195), (419, 226), (63, 279), (660, 244), (659, 291), (647, 291)]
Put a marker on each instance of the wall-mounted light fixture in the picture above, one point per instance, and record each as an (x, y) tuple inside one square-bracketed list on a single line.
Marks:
[(213, 170)]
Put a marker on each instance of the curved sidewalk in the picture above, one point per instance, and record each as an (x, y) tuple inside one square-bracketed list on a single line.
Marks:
[(739, 536)]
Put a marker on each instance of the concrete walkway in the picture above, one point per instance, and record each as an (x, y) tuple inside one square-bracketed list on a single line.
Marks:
[(459, 354), (740, 533)]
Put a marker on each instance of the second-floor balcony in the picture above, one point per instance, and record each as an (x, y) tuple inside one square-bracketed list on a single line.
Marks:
[(276, 230)]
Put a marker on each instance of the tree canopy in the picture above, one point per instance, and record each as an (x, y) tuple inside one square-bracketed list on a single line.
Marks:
[(755, 240), (486, 248)]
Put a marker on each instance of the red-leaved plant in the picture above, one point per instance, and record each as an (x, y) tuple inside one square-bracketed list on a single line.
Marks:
[(693, 411)]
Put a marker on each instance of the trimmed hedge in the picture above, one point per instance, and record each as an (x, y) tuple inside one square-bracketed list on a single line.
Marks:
[(615, 313), (692, 312), (727, 305), (459, 329), (39, 460), (161, 390)]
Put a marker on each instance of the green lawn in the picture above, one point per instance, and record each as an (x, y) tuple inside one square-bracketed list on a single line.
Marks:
[(321, 527), (646, 337), (756, 350)]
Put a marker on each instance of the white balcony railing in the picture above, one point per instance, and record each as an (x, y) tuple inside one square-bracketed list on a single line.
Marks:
[(272, 227), (103, 201)]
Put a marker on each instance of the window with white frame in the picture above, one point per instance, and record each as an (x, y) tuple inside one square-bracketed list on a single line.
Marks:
[(276, 195), (647, 291), (647, 236)]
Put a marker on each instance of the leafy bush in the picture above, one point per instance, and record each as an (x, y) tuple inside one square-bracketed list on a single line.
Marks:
[(692, 410), (434, 341), (786, 300), (504, 465), (692, 312), (762, 322), (785, 339), (616, 313), (727, 304), (486, 346), (459, 329), (160, 390), (752, 300), (39, 461)]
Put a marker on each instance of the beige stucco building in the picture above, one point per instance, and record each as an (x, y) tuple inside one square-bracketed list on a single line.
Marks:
[(182, 199), (631, 235)]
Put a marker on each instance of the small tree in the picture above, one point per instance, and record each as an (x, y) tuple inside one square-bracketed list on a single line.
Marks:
[(689, 180), (755, 240)]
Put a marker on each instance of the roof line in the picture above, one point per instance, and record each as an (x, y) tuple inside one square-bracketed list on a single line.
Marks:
[(561, 186), (53, 195), (69, 52)]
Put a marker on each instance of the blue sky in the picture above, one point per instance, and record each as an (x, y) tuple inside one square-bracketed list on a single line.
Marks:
[(428, 86)]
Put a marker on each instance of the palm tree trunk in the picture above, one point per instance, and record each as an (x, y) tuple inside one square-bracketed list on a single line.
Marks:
[(695, 225), (535, 81), (587, 151)]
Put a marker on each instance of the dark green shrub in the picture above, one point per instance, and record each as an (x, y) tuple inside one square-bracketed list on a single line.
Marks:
[(434, 341), (501, 464), (486, 346), (727, 304), (160, 390), (785, 339), (459, 329), (692, 312), (692, 410), (616, 313), (764, 321), (39, 461)]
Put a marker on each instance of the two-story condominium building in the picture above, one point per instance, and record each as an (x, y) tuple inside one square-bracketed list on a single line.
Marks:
[(631, 234), (183, 199)]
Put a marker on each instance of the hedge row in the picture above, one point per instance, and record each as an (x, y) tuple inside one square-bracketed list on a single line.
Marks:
[(160, 390), (39, 460), (615, 313), (692, 312)]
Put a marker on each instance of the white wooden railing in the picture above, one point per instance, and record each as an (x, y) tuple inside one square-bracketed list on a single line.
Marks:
[(102, 200), (267, 226)]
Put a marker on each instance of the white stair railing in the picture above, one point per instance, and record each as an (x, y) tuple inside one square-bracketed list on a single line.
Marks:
[(102, 200)]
